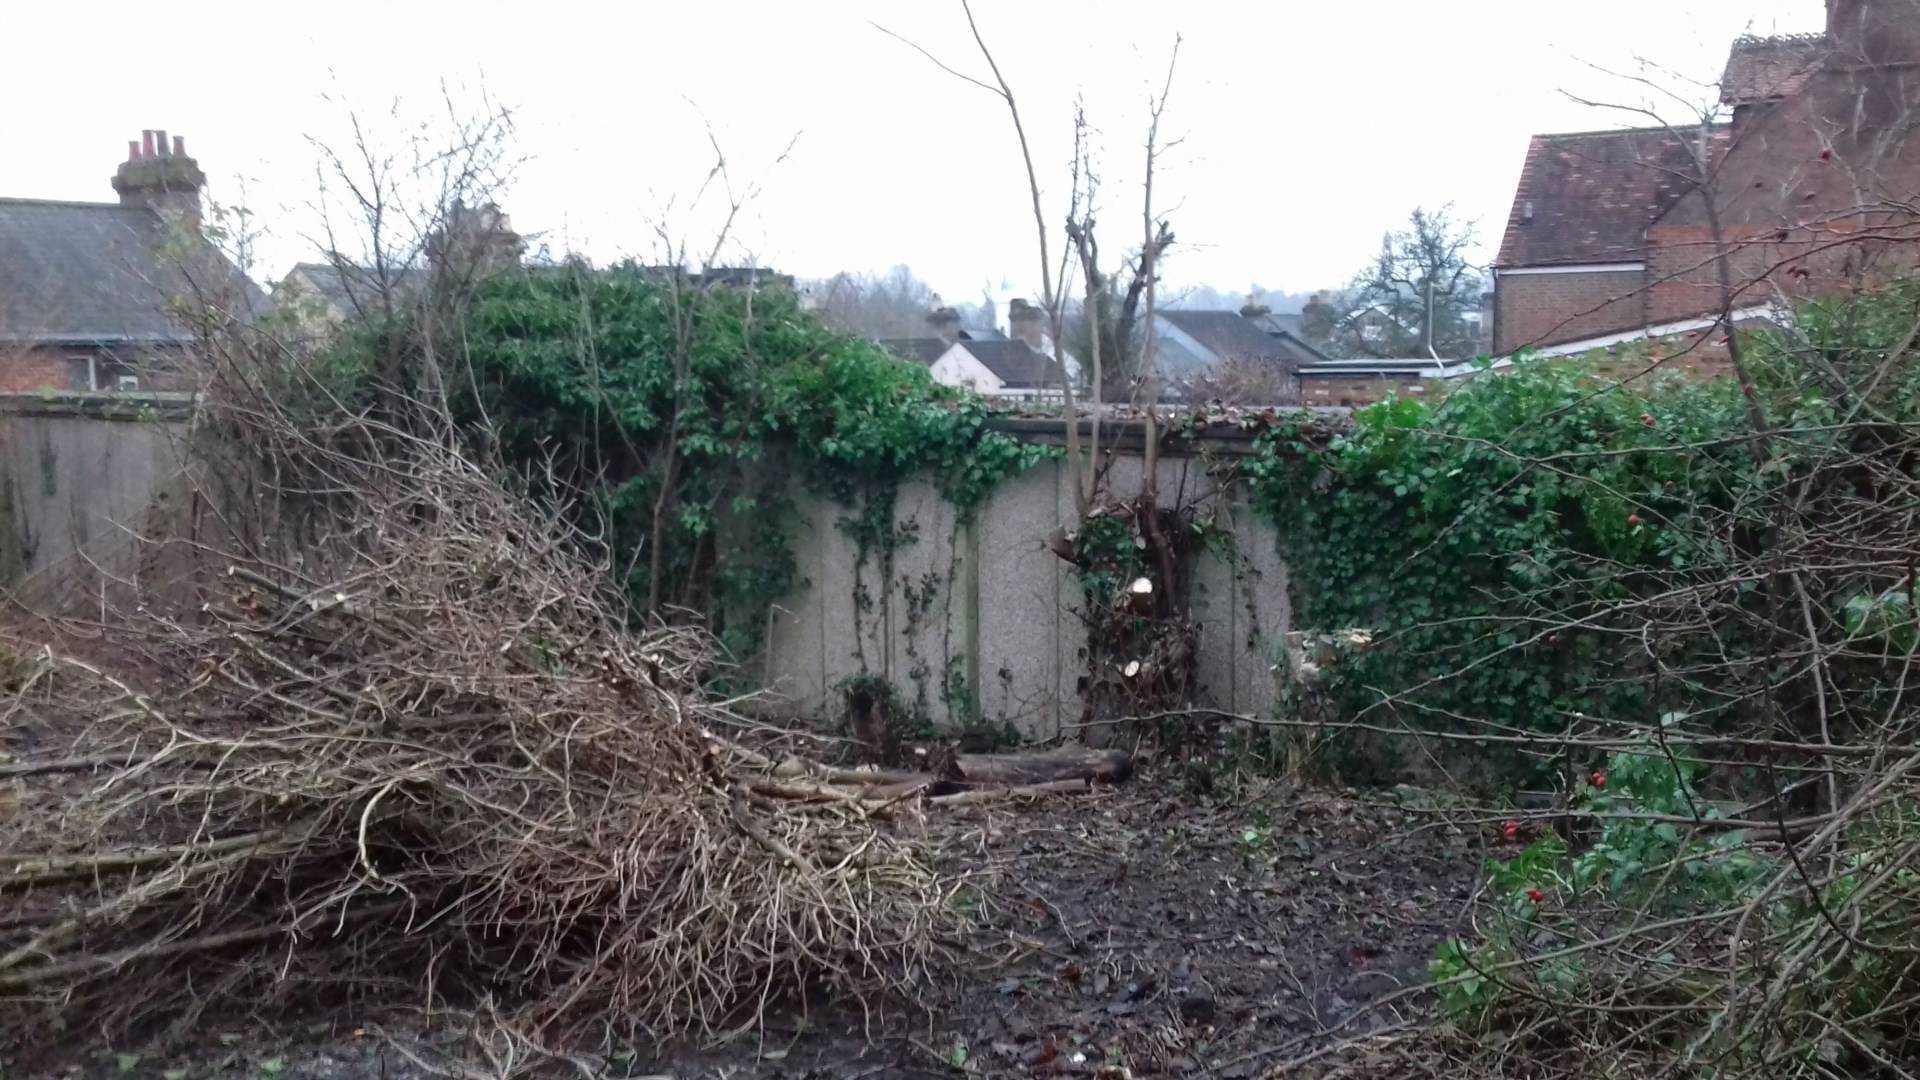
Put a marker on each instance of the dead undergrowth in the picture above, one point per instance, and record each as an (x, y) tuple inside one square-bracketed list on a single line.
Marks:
[(425, 752), (1142, 930)]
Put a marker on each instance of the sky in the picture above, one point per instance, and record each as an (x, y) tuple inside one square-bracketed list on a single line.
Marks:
[(1299, 131)]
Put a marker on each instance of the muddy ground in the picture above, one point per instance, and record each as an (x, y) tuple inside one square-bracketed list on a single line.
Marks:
[(1146, 930)]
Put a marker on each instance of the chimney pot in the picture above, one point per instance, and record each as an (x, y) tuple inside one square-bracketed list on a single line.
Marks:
[(158, 176)]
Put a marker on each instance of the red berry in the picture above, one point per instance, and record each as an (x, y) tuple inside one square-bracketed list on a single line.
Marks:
[(1536, 895), (1512, 830), (1633, 519), (1647, 419), (1826, 155), (1599, 780)]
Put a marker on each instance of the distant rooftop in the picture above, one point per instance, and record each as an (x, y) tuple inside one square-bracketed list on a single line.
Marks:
[(90, 273)]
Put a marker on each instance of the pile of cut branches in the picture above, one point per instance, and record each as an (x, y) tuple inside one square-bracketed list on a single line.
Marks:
[(426, 753)]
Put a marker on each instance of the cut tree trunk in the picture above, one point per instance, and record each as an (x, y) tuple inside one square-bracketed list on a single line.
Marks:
[(1066, 763), (974, 771)]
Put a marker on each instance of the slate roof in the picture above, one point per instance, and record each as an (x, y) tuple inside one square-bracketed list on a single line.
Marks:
[(1769, 68), (1014, 363), (1229, 335), (1292, 323), (90, 274), (339, 284), (1589, 197)]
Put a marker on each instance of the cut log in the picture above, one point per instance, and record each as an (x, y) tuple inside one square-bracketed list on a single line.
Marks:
[(978, 770), (1067, 763), (1024, 791)]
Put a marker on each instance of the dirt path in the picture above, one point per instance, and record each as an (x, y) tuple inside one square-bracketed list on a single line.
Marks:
[(1138, 929)]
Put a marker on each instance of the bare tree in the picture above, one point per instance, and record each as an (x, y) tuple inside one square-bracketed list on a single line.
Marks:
[(1413, 298), (392, 209), (1140, 639), (890, 305)]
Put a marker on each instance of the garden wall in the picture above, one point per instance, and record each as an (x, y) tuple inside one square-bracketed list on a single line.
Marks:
[(77, 471), (983, 614), (975, 619)]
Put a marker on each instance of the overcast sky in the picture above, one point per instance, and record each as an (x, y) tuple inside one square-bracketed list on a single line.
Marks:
[(1305, 128)]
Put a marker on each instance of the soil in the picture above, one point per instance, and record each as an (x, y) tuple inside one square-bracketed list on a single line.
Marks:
[(1144, 930)]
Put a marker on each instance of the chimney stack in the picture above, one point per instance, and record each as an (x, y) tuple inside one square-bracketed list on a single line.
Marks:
[(476, 241), (1873, 32), (1025, 322), (1317, 319), (161, 178), (945, 322)]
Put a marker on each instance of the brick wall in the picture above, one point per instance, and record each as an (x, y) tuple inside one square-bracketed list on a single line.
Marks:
[(28, 370), (1355, 390), (1802, 194), (25, 371), (1546, 309)]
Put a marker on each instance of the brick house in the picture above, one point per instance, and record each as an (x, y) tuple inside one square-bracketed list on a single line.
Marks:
[(1810, 180), (102, 296)]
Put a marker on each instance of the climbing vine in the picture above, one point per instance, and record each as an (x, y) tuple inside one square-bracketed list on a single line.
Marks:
[(717, 405), (1460, 535)]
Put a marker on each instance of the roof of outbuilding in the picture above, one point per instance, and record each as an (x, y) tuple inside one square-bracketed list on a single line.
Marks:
[(1768, 68), (92, 273), (1588, 197)]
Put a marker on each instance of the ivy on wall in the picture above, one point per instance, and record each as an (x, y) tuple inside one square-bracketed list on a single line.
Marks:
[(1464, 534), (731, 403)]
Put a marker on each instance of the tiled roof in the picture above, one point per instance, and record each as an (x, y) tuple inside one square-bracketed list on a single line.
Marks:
[(1014, 363), (1229, 335), (1282, 323), (1766, 69), (1589, 197), (90, 273)]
